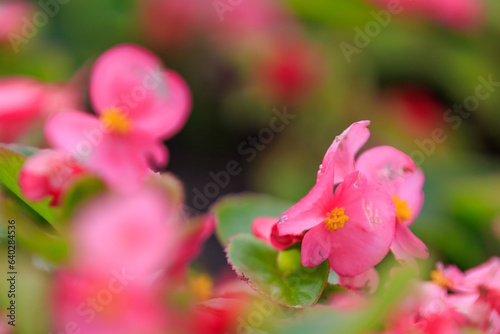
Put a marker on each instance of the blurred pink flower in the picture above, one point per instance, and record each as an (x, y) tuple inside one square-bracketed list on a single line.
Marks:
[(414, 108), (476, 292), (139, 105), (105, 304), (448, 277), (290, 68), (47, 173), (11, 16), (401, 178), (21, 103), (427, 311), (352, 226), (138, 232), (26, 102)]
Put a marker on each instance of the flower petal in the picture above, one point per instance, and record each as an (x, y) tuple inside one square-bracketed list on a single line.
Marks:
[(133, 80), (409, 243), (311, 209), (342, 151), (367, 235), (121, 78), (172, 112), (74, 131), (316, 246), (397, 172), (120, 158), (263, 226)]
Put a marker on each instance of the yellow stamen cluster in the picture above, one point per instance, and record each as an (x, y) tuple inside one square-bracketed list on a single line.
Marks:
[(116, 121), (335, 219), (403, 210), (202, 287), (440, 279)]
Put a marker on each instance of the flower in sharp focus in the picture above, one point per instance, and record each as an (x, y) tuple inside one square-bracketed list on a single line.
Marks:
[(139, 104), (352, 226)]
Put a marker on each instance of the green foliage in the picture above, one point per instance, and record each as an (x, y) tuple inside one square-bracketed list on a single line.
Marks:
[(256, 263), (10, 165), (234, 214)]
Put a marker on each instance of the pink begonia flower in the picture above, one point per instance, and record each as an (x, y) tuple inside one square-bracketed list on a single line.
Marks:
[(138, 232), (12, 14), (139, 104), (111, 303), (449, 277), (367, 281), (485, 280), (427, 311), (47, 173), (266, 228), (401, 178), (476, 292), (352, 226), (21, 102)]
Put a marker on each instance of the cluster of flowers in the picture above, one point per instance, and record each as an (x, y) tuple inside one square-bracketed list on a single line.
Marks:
[(357, 211), (130, 244), (454, 301)]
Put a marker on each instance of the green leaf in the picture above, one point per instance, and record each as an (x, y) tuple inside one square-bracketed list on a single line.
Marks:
[(10, 165), (256, 263), (21, 149), (234, 214)]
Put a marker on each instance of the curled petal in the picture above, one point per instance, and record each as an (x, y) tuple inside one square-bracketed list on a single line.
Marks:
[(342, 151), (316, 246), (409, 243)]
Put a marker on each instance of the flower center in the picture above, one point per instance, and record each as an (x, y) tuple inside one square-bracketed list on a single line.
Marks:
[(202, 287), (115, 120), (440, 279), (335, 219), (403, 210)]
